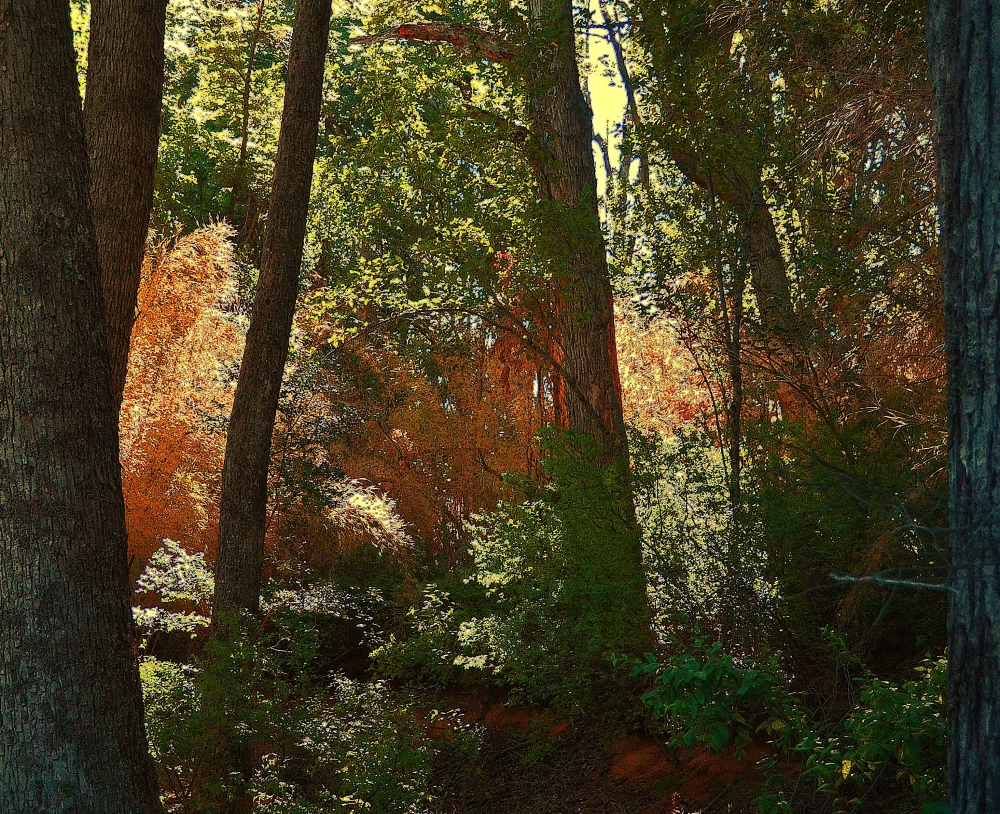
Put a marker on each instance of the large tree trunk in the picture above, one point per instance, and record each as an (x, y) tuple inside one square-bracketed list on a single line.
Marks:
[(248, 443), (122, 125), (71, 729), (964, 47), (601, 530), (605, 543), (563, 126)]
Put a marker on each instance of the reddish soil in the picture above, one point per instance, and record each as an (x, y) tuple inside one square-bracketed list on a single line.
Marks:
[(641, 761)]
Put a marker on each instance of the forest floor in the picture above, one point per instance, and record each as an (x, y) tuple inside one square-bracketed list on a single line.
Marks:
[(532, 762)]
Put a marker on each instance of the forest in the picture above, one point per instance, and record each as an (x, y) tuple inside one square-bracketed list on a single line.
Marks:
[(537, 406)]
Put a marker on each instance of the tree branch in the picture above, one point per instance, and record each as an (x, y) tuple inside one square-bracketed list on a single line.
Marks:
[(889, 582), (467, 39)]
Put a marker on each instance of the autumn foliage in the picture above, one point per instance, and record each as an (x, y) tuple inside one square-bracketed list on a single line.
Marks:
[(179, 391)]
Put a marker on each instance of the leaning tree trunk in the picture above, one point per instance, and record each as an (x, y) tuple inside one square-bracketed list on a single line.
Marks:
[(609, 558), (122, 123), (740, 189), (71, 729), (964, 47), (248, 443)]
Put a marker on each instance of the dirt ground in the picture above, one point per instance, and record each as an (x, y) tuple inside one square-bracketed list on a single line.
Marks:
[(534, 763)]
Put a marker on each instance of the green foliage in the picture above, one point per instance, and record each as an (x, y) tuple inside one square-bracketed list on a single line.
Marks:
[(551, 595), (528, 636), (513, 629), (208, 48), (430, 652), (183, 582), (710, 697), (362, 748), (896, 732), (317, 743), (707, 568)]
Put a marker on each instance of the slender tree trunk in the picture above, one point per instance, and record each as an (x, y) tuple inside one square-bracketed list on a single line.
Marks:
[(736, 182), (122, 124), (964, 50), (248, 443), (736, 407), (241, 180), (71, 729), (768, 271)]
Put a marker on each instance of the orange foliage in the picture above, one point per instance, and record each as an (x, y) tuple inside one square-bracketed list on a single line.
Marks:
[(660, 388), (421, 452), (435, 447), (178, 392)]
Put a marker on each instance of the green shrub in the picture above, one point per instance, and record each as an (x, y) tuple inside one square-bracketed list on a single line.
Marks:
[(555, 590), (318, 743), (896, 733), (177, 589), (709, 697), (706, 567), (515, 623), (432, 652)]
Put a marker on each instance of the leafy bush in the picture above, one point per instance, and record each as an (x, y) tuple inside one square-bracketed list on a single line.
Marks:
[(432, 652), (555, 590), (895, 732), (513, 622), (315, 742), (358, 749), (351, 746), (181, 584), (709, 697), (707, 567)]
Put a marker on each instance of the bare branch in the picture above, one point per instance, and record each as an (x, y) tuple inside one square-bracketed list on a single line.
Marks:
[(889, 582)]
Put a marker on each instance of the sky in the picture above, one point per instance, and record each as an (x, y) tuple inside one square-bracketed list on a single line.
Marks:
[(607, 96)]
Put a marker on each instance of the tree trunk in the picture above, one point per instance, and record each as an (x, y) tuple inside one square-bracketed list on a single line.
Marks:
[(122, 124), (248, 443), (964, 47), (608, 558), (606, 545), (562, 124), (239, 196), (768, 271), (71, 728)]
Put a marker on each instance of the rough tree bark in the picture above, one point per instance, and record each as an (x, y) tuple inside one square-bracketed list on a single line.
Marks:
[(122, 124), (603, 540), (251, 425), (71, 728), (563, 128), (964, 50)]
